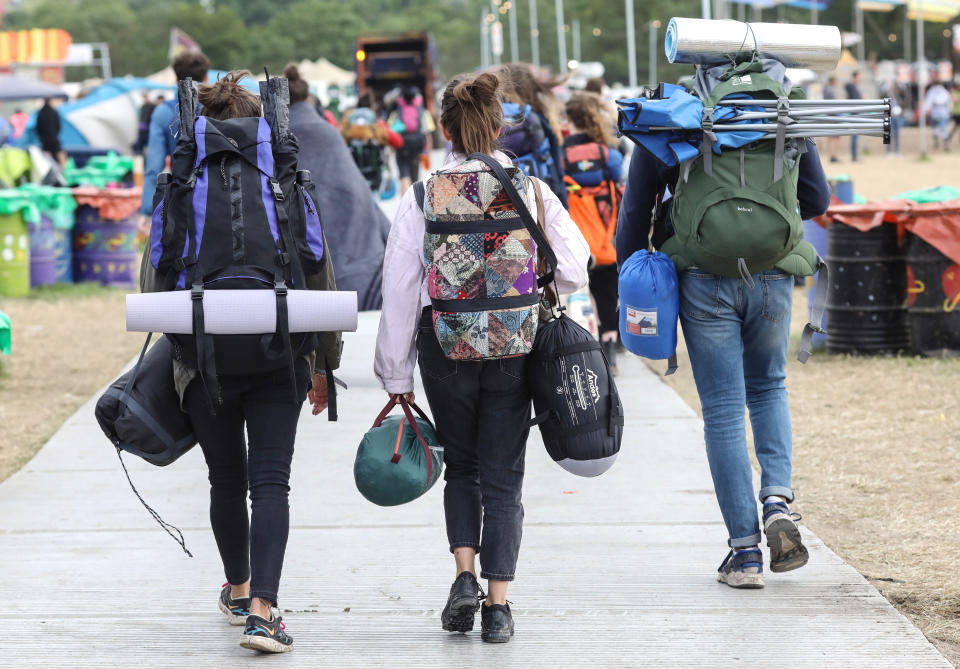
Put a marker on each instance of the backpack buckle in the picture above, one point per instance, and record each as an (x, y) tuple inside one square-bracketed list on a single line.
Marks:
[(182, 263), (283, 259), (196, 291), (280, 287), (277, 191), (783, 110), (706, 119)]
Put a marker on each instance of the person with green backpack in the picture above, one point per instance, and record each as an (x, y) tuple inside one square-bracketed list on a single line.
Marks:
[(732, 224)]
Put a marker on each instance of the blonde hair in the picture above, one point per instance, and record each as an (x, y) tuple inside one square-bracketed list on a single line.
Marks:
[(591, 114), (522, 86)]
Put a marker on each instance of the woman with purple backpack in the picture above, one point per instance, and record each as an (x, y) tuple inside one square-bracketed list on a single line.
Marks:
[(461, 295)]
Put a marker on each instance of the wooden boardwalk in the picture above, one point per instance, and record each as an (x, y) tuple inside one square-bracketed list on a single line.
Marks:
[(617, 571)]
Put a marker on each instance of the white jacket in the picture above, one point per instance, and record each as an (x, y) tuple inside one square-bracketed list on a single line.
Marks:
[(405, 277)]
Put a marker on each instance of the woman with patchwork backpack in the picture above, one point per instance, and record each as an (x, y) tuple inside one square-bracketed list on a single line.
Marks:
[(462, 294), (593, 168)]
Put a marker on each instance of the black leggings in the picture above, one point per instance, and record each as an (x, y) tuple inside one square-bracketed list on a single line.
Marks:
[(264, 404), (604, 285)]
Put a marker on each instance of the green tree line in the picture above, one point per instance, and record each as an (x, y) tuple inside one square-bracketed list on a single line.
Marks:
[(256, 33)]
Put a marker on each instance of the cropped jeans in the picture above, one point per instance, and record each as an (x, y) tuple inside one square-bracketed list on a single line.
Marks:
[(481, 409), (737, 337)]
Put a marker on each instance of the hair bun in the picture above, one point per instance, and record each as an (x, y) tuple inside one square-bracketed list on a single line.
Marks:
[(292, 72)]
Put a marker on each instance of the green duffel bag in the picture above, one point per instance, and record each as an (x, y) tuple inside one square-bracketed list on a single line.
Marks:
[(399, 458)]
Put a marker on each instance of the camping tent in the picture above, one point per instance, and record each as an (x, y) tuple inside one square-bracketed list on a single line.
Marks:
[(325, 72), (107, 117), (22, 88)]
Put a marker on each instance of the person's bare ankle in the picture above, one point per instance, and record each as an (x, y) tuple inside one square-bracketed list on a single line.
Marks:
[(241, 591), (262, 608)]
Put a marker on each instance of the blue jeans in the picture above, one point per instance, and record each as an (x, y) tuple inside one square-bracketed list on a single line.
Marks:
[(737, 338)]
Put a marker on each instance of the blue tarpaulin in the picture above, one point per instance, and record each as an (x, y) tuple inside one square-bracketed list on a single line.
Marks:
[(682, 112)]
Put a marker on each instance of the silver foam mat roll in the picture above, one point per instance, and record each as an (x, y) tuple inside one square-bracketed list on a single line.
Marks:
[(710, 42)]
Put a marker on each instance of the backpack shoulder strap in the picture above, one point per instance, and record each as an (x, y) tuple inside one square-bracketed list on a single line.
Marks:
[(520, 205), (419, 192)]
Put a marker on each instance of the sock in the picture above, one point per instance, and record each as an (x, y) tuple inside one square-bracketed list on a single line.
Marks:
[(773, 500)]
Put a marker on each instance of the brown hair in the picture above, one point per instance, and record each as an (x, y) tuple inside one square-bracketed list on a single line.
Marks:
[(471, 112), (595, 85), (592, 116), (299, 90), (522, 86), (228, 99), (191, 64)]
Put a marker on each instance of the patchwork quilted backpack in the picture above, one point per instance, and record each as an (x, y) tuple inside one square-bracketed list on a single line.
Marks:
[(480, 248), (234, 213)]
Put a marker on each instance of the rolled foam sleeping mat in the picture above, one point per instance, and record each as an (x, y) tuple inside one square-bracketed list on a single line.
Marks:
[(243, 311), (709, 42)]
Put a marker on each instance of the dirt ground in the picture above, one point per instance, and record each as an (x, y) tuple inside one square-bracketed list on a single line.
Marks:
[(877, 444), (68, 342), (877, 177)]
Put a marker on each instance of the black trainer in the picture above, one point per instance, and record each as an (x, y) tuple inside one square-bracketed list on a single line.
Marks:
[(462, 604), (236, 610), (267, 636), (496, 623)]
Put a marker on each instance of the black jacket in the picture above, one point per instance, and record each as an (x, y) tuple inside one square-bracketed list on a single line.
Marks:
[(48, 125)]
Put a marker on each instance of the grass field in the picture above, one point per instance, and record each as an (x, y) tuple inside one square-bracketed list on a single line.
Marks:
[(68, 341)]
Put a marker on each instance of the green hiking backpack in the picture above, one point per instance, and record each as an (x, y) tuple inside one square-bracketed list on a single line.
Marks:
[(737, 213)]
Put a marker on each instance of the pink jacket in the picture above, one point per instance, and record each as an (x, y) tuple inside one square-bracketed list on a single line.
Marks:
[(405, 278)]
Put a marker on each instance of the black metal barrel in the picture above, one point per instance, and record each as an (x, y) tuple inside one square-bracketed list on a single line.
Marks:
[(867, 297), (933, 300)]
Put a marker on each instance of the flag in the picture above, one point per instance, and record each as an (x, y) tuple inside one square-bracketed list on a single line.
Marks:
[(180, 42)]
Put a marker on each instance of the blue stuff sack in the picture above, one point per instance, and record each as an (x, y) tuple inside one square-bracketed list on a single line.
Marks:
[(650, 306)]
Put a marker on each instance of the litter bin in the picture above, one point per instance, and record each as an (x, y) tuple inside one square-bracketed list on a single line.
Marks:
[(105, 235), (933, 299), (15, 212), (51, 245)]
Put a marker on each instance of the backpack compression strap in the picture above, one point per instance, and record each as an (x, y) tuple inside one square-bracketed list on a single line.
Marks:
[(521, 206), (816, 312), (188, 103)]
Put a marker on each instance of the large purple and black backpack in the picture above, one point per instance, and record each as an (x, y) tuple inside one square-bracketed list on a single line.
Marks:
[(234, 213)]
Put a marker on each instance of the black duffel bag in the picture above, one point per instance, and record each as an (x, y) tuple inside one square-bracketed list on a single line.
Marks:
[(575, 398), (140, 412)]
